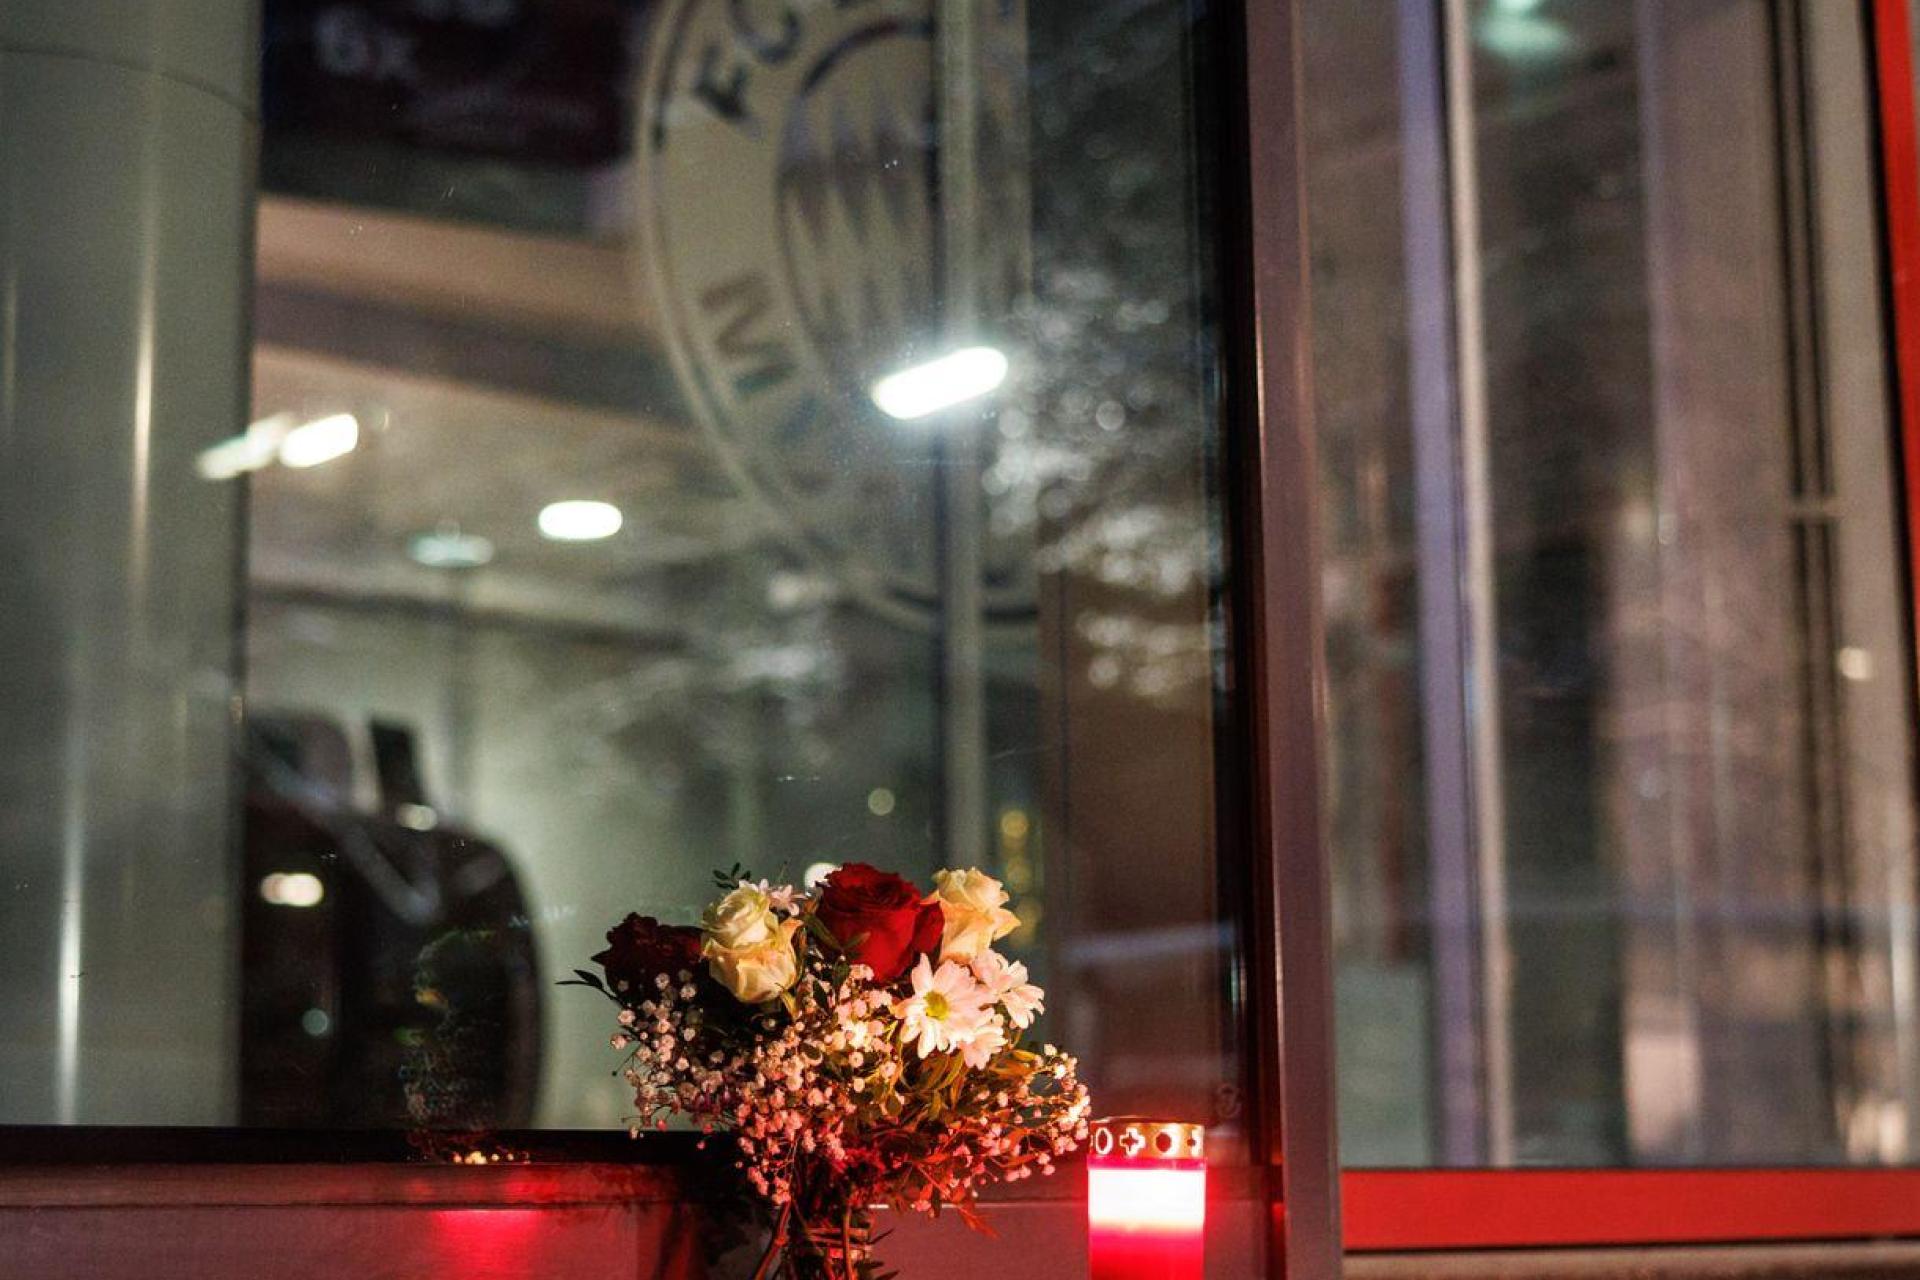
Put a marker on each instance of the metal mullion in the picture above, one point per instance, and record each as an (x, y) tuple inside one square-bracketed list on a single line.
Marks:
[(1281, 639), (1429, 171), (1477, 587)]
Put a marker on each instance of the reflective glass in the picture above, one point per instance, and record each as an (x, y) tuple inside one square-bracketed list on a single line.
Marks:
[(686, 434), (1621, 675)]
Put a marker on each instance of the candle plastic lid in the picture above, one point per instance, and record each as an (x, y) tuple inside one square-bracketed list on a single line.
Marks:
[(1143, 1138)]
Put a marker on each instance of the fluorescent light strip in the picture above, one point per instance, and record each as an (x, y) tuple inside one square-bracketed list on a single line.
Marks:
[(579, 521), (277, 439), (321, 440), (955, 378)]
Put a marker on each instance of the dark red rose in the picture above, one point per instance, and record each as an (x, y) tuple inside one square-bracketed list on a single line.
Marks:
[(639, 948), (878, 919)]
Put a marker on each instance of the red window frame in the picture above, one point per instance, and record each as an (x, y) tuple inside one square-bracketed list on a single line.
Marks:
[(1900, 187), (1405, 1210), (1555, 1208)]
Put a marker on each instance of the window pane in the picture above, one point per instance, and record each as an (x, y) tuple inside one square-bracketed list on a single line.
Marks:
[(683, 434), (1610, 482)]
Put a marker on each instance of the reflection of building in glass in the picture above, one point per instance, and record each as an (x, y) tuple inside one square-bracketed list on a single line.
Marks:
[(806, 630)]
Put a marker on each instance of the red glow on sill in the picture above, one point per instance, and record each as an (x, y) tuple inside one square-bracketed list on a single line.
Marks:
[(485, 1241)]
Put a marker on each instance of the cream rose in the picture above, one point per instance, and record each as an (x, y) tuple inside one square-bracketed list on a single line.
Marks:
[(973, 906), (749, 948)]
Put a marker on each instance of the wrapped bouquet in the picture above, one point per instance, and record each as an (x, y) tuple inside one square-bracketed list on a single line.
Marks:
[(860, 1045)]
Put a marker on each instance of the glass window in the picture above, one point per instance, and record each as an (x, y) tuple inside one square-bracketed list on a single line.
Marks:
[(683, 433), (1621, 675)]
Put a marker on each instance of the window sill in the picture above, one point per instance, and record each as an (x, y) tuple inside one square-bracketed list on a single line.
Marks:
[(1876, 1261), (306, 1186)]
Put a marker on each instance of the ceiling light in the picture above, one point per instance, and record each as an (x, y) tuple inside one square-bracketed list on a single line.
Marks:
[(293, 889), (416, 817), (321, 440), (1855, 663), (940, 384), (579, 521), (448, 548), (1521, 35), (251, 450)]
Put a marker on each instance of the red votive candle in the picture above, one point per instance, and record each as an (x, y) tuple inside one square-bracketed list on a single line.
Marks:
[(1146, 1199)]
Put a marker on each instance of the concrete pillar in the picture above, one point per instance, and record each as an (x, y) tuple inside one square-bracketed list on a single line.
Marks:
[(127, 142)]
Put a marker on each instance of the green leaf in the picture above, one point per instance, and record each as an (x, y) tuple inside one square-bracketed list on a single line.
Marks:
[(731, 877), (821, 931)]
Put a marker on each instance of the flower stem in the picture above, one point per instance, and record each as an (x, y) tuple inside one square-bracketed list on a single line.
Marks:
[(776, 1244)]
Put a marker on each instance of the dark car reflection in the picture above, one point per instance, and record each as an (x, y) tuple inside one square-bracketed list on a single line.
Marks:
[(390, 978)]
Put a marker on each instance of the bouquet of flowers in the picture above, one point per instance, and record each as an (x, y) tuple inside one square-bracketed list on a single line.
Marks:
[(861, 1044)]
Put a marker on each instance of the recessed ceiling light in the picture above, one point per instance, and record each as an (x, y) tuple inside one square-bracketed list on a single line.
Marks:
[(416, 817), (1518, 32), (579, 521), (953, 379), (293, 889), (449, 548), (1855, 663), (321, 440)]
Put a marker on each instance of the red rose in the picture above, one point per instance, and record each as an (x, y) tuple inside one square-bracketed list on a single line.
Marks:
[(878, 919), (640, 948)]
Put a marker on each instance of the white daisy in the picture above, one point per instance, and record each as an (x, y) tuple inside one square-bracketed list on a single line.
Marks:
[(987, 1039), (1006, 981), (946, 1010)]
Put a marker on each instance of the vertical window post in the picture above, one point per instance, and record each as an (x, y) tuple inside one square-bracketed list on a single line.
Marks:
[(1282, 638)]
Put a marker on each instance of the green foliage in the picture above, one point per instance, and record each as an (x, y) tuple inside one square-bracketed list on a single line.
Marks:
[(582, 978)]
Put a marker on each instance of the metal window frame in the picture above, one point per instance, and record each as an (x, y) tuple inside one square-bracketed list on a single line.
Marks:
[(1279, 632)]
